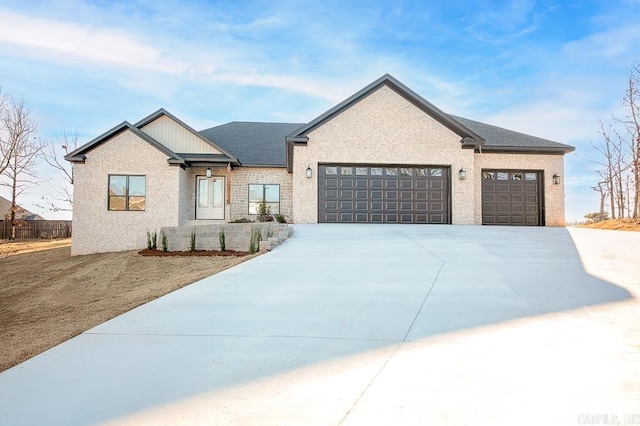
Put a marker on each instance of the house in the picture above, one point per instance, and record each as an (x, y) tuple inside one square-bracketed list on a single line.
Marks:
[(21, 212), (384, 155)]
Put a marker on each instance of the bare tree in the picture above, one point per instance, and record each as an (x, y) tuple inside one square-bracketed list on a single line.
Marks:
[(606, 148), (601, 189), (19, 127), (53, 153), (631, 101), (6, 144)]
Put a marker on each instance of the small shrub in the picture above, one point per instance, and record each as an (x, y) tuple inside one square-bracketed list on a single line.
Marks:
[(280, 218), (254, 242), (149, 240), (163, 237), (192, 242), (264, 213), (154, 240), (221, 237), (242, 220)]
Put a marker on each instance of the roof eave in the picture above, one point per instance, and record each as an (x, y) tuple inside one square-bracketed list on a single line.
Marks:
[(561, 150)]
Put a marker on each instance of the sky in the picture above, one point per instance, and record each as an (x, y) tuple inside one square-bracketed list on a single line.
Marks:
[(552, 69)]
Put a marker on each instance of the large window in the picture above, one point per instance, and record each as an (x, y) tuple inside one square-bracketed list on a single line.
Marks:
[(268, 194), (127, 192)]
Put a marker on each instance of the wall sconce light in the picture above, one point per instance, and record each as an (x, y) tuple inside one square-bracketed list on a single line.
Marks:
[(556, 179), (208, 172), (462, 174), (309, 172)]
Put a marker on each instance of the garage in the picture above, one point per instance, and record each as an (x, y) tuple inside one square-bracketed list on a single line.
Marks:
[(512, 197), (354, 193)]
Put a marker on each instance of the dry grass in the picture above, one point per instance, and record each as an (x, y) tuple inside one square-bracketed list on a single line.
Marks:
[(47, 296), (615, 224)]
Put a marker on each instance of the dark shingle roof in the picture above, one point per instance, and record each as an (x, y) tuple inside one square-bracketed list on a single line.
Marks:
[(253, 144), (499, 139)]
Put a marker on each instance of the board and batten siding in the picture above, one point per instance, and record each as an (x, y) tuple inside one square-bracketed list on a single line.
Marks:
[(175, 137)]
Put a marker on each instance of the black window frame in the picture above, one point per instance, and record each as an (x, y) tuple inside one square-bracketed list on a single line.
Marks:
[(264, 185), (127, 197)]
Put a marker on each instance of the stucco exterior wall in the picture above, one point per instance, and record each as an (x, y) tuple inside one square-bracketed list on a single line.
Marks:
[(383, 128), (548, 164), (241, 177), (95, 228)]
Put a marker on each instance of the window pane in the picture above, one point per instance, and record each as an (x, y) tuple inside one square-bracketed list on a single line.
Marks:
[(331, 171), (255, 193), (376, 171), (136, 203), (203, 193), (530, 176), (272, 193), (487, 175), (345, 170), (218, 192), (406, 172), (435, 172), (137, 185), (391, 172), (253, 208), (503, 176), (117, 203), (117, 185), (274, 208), (362, 171), (516, 176), (421, 172)]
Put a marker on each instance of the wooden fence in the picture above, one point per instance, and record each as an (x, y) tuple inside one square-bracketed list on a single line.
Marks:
[(37, 229)]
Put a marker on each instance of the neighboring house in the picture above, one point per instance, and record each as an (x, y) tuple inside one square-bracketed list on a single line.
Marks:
[(21, 213), (384, 155)]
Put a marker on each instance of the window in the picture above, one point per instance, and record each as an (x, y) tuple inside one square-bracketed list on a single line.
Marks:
[(269, 194), (127, 193)]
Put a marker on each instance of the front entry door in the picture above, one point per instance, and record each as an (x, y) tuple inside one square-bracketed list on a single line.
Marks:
[(210, 198)]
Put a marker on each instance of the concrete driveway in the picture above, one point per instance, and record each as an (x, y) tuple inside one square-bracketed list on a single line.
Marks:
[(362, 325)]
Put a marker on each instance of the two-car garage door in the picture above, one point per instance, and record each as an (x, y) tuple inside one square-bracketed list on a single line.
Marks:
[(383, 194)]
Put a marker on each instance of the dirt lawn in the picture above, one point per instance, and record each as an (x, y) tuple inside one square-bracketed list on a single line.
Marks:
[(47, 296)]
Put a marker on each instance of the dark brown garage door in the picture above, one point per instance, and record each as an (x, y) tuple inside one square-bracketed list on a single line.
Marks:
[(383, 194), (512, 197)]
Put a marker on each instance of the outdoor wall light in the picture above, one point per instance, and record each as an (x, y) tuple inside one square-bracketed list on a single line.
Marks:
[(208, 172), (556, 179), (309, 172), (462, 174)]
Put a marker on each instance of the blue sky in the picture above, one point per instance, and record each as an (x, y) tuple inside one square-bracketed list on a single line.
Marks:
[(547, 68)]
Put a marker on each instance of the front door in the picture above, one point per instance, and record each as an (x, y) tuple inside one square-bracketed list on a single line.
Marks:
[(210, 198)]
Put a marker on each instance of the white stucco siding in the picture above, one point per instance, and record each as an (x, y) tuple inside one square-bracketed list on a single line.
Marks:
[(95, 228), (175, 137), (548, 164), (383, 128)]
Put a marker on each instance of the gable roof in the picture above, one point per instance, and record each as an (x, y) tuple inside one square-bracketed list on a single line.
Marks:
[(254, 143), (162, 112), (79, 155), (468, 136), (498, 139), (22, 213)]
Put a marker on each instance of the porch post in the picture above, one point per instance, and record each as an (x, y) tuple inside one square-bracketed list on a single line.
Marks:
[(228, 180)]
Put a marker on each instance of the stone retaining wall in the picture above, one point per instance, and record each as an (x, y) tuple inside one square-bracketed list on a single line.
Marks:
[(237, 236)]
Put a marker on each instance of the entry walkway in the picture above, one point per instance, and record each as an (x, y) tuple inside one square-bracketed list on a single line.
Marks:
[(361, 325)]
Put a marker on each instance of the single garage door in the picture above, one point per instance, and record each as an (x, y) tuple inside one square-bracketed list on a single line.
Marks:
[(512, 197), (383, 194)]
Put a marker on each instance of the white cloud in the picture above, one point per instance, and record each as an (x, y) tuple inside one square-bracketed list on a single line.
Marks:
[(76, 43)]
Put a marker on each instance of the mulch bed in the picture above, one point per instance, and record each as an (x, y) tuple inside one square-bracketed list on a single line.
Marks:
[(147, 252)]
